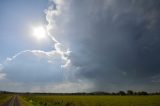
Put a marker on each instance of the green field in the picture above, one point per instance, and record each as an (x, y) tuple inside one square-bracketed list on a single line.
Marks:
[(34, 100), (4, 98)]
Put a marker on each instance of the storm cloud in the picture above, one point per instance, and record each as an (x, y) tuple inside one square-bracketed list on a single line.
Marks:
[(110, 45), (114, 43)]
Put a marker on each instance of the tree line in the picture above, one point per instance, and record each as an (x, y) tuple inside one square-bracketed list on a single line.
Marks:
[(122, 93)]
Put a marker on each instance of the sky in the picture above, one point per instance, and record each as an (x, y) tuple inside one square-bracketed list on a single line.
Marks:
[(89, 45)]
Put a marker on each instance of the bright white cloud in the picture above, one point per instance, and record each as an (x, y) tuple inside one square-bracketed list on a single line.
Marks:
[(51, 14)]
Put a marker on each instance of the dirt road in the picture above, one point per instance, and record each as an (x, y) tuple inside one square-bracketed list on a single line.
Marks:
[(14, 101)]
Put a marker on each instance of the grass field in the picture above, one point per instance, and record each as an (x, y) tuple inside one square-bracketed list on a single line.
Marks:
[(4, 98), (92, 100)]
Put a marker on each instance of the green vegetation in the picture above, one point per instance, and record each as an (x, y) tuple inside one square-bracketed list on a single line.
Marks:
[(4, 98), (24, 102), (85, 100), (42, 100)]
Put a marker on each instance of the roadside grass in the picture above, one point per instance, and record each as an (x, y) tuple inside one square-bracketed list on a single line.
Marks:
[(24, 102), (93, 100), (4, 98)]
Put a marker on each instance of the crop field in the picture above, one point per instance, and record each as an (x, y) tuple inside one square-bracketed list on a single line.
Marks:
[(35, 100)]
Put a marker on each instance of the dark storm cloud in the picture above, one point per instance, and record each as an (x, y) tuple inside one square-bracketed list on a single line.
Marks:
[(115, 43)]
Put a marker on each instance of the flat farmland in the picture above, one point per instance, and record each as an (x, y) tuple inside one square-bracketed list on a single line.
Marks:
[(4, 98), (35, 100)]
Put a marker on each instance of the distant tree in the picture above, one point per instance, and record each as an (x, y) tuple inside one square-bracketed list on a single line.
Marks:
[(142, 93), (100, 93), (130, 92), (121, 93), (156, 93)]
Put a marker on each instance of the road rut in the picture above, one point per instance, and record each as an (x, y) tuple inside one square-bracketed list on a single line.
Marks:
[(14, 101)]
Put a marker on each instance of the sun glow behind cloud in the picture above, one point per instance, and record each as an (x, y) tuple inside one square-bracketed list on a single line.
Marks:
[(39, 32)]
